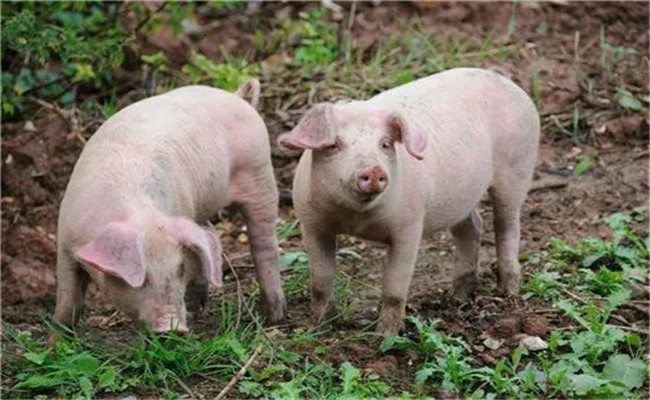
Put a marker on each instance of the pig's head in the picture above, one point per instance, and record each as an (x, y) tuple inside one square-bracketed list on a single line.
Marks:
[(149, 263), (355, 150)]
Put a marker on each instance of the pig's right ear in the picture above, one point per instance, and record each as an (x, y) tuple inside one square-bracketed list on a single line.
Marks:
[(117, 251), (204, 243), (315, 130)]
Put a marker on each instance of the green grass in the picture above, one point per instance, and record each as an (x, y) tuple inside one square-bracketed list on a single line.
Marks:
[(589, 356)]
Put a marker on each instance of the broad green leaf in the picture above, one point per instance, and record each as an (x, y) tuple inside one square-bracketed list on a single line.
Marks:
[(395, 342), (618, 221), (349, 374), (289, 258), (634, 340), (620, 367), (41, 381), (582, 166), (108, 378), (589, 260), (617, 298), (583, 383), (423, 374), (85, 364), (251, 388), (36, 358), (627, 100), (86, 387)]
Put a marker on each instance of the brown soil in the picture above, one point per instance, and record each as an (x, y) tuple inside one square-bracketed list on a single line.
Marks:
[(558, 41)]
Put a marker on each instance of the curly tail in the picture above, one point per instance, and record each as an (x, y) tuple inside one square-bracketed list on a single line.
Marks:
[(250, 88)]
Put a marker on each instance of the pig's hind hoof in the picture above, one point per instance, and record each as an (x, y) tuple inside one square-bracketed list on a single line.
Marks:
[(274, 309), (390, 326)]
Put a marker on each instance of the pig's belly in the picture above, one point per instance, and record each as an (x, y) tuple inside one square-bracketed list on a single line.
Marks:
[(448, 207)]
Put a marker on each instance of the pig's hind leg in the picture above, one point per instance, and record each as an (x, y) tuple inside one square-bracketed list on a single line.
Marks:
[(508, 194), (261, 211), (72, 282), (467, 234)]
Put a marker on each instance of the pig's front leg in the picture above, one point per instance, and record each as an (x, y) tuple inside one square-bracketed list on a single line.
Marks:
[(72, 282), (321, 251), (260, 219), (398, 272)]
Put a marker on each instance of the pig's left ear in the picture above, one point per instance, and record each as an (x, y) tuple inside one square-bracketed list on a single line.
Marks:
[(117, 251), (205, 245), (410, 133), (315, 131)]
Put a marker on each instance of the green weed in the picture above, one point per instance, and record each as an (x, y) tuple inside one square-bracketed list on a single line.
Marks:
[(54, 45), (228, 76)]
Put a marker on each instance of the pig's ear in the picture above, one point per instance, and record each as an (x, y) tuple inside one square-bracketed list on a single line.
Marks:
[(315, 130), (117, 251), (204, 243), (410, 133)]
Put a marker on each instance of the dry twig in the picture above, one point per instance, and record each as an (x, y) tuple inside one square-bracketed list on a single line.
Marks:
[(239, 374), (547, 184)]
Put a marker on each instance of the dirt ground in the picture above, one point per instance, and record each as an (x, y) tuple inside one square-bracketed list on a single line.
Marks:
[(559, 41)]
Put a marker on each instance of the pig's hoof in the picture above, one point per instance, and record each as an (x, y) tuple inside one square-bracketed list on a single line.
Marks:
[(461, 296), (390, 326), (51, 340), (274, 308), (509, 287), (322, 312), (463, 288)]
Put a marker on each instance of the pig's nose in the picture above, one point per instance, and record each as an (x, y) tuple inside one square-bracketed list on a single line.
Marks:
[(372, 180)]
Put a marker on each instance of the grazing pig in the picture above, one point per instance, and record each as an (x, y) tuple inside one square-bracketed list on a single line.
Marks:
[(407, 163), (128, 216)]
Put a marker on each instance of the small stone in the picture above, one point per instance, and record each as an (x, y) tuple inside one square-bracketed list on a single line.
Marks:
[(29, 126), (533, 343), (242, 238), (492, 343)]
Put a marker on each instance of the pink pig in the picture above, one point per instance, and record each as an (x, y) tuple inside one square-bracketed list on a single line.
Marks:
[(128, 216), (407, 163)]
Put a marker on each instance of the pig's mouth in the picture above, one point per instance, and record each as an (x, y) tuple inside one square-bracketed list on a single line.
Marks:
[(367, 197), (364, 197)]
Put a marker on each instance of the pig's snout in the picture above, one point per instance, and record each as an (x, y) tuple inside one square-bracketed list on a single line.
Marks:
[(372, 180), (167, 321), (169, 325)]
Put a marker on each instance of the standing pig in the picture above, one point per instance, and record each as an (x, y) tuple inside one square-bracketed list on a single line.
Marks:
[(409, 162), (128, 216)]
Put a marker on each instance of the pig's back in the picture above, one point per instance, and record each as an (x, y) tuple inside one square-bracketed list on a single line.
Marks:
[(173, 152)]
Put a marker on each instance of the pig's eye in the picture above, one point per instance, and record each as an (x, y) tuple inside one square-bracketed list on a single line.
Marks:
[(332, 149), (386, 144)]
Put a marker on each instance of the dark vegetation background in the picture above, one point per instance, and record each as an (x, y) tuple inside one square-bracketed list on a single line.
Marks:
[(67, 67)]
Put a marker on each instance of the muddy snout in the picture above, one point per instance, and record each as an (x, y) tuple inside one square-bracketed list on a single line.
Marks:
[(170, 325), (164, 321), (372, 180)]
